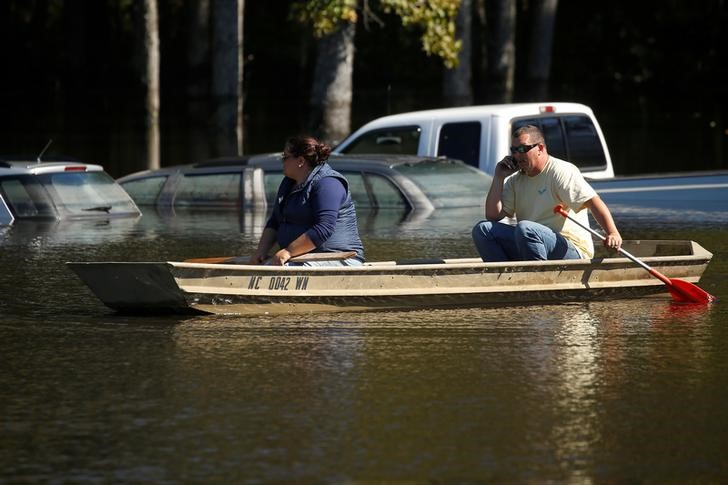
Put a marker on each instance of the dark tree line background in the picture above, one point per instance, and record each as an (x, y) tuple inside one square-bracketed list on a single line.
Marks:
[(654, 72)]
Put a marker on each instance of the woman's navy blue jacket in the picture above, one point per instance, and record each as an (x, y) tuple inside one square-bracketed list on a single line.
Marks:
[(322, 208)]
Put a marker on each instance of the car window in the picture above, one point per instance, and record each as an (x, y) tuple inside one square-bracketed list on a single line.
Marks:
[(449, 184), (386, 195), (573, 138), (403, 140), (358, 189), (218, 189), (272, 180), (82, 193), (461, 141), (6, 217), (27, 197), (145, 191)]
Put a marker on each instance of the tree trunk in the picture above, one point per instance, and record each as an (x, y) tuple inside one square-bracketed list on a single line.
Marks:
[(331, 92), (457, 82), (479, 27), (538, 69), (501, 50), (227, 76), (151, 79), (198, 81)]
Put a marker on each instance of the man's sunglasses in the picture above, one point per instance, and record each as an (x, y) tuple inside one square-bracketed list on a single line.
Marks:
[(522, 148)]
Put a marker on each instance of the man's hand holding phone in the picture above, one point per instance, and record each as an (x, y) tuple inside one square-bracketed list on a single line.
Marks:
[(507, 166)]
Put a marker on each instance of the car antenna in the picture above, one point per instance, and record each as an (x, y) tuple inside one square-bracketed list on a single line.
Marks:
[(50, 140)]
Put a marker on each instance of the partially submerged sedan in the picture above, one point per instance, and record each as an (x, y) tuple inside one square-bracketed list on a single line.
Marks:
[(60, 190), (376, 182)]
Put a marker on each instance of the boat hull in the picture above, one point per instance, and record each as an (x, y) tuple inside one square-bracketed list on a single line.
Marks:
[(245, 289)]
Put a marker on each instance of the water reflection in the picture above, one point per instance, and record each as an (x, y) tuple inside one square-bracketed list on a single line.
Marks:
[(582, 392), (576, 371)]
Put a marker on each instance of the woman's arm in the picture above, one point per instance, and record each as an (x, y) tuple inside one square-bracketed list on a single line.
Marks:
[(267, 240), (301, 245), (325, 202)]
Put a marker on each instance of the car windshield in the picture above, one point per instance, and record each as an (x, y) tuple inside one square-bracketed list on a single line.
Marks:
[(86, 193), (448, 184)]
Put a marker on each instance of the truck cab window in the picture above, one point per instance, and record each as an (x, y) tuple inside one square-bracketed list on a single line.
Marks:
[(572, 138), (402, 140), (584, 144), (461, 141)]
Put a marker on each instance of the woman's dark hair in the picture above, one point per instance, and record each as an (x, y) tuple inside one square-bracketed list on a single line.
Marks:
[(313, 151)]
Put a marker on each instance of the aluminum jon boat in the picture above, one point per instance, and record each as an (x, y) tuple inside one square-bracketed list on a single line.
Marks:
[(189, 287)]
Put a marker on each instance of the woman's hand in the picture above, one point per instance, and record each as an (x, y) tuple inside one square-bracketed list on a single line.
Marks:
[(280, 258)]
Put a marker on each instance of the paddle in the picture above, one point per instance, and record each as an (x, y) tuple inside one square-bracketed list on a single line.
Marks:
[(679, 289), (297, 259)]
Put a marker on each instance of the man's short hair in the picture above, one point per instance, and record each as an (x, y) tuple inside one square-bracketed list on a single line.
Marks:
[(534, 133)]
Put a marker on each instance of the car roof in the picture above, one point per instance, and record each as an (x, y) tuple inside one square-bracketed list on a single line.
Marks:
[(272, 161), (34, 167), (509, 110), (372, 161)]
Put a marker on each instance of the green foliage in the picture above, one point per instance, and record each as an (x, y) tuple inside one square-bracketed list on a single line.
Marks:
[(436, 18), (324, 15)]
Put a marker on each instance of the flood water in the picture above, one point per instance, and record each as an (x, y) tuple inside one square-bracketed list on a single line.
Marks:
[(628, 390)]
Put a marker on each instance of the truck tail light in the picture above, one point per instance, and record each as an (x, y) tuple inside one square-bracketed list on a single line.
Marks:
[(546, 109), (75, 168)]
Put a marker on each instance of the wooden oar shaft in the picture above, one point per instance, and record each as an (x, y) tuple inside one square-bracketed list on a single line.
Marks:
[(302, 258), (323, 256), (216, 260)]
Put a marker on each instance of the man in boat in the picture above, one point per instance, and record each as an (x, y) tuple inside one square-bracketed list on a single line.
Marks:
[(526, 186), (313, 210)]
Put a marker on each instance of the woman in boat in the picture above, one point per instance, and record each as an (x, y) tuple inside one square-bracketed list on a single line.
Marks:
[(313, 210), (527, 186)]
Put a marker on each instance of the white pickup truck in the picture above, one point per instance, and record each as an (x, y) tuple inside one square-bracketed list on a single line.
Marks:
[(481, 135)]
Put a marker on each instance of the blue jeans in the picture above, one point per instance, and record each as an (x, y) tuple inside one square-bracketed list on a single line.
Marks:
[(526, 241)]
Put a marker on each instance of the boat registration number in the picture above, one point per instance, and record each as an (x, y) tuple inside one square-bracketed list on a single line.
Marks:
[(280, 283)]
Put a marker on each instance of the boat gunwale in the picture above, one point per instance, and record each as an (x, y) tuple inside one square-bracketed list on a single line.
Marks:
[(698, 254)]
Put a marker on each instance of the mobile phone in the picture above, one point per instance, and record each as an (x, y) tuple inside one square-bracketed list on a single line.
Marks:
[(510, 162)]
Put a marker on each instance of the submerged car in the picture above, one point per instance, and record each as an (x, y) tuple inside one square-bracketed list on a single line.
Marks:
[(60, 190), (376, 182)]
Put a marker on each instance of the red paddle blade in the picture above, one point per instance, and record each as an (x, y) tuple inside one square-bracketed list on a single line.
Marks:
[(688, 292)]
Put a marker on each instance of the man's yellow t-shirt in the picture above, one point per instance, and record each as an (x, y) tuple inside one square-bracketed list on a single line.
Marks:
[(534, 198)]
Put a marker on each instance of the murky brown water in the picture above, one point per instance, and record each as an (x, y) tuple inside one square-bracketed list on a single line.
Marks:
[(631, 390)]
